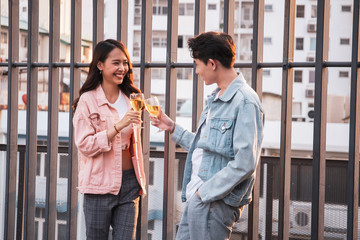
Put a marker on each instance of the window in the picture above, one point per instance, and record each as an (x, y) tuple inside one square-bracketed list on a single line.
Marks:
[(63, 166), (296, 108), (344, 74), (346, 8), (299, 44), (268, 8), (312, 44), (266, 72), (151, 224), (180, 41), (313, 11), (309, 93), (4, 37), (300, 11), (311, 76), (344, 41), (186, 9), (151, 172), (137, 16), (211, 6), (159, 42), (24, 41), (267, 40), (298, 76), (184, 73), (160, 10), (310, 59)]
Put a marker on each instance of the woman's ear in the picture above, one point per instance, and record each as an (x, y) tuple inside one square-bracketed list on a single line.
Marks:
[(100, 66)]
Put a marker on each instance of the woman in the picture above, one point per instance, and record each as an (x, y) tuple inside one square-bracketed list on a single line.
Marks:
[(110, 176)]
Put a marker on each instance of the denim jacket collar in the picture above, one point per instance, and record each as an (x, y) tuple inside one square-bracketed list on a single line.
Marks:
[(230, 90)]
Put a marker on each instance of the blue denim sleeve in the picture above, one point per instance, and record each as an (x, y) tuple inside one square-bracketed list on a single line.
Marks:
[(247, 141), (183, 137)]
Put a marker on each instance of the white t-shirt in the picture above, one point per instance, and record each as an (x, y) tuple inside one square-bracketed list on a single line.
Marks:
[(122, 108), (196, 159)]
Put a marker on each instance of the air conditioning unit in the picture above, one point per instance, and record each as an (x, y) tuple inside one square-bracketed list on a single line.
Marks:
[(311, 27), (301, 217), (309, 93)]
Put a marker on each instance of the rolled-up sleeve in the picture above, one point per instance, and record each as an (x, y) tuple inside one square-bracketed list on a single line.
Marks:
[(88, 141)]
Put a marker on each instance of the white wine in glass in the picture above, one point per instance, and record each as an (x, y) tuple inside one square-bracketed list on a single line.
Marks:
[(137, 102), (152, 106)]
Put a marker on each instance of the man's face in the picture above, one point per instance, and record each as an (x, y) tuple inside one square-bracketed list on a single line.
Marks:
[(205, 71)]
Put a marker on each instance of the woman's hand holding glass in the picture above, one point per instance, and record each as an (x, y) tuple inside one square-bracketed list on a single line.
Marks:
[(137, 102), (131, 117)]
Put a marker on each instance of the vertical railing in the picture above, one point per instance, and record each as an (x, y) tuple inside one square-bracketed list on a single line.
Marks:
[(198, 86), (319, 144), (257, 56), (52, 127), (170, 110), (286, 120), (12, 121), (75, 57), (31, 120), (353, 167), (145, 86)]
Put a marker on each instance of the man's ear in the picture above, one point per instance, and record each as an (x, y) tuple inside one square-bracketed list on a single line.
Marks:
[(213, 63)]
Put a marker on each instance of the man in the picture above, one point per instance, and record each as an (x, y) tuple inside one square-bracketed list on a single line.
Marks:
[(225, 150)]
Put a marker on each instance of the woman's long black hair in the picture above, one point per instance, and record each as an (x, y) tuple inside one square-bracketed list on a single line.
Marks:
[(94, 78)]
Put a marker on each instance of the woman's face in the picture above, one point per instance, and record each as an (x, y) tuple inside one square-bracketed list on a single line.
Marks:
[(115, 67)]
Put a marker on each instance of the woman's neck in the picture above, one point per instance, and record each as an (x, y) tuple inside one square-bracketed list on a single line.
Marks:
[(111, 92)]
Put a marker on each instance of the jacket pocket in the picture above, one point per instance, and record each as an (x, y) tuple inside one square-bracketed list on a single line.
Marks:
[(97, 122), (220, 136), (241, 194)]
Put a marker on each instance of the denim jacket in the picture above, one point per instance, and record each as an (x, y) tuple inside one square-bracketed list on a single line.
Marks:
[(231, 143)]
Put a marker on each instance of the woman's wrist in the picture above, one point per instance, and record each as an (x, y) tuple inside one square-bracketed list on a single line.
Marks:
[(116, 128)]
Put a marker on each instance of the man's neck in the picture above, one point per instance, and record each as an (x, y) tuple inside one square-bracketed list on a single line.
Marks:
[(225, 78)]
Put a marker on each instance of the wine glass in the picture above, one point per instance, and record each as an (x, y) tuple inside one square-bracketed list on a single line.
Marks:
[(137, 102), (153, 106)]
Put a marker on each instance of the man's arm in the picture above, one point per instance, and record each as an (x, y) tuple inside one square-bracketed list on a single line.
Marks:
[(247, 140)]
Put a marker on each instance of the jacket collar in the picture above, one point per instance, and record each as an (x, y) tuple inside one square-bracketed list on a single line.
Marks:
[(100, 96), (231, 89)]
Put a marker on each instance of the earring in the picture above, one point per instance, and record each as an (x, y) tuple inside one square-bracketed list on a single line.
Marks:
[(100, 72)]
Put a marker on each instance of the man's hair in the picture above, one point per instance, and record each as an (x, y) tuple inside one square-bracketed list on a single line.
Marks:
[(214, 45)]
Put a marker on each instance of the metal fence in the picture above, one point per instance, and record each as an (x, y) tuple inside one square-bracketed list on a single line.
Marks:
[(19, 220)]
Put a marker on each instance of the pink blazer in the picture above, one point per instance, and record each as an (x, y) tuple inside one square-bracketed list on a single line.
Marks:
[(100, 161)]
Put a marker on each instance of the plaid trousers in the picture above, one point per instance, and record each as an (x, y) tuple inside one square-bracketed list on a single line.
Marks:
[(118, 211)]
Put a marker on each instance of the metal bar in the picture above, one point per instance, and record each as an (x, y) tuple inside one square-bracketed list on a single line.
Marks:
[(53, 108), (226, 16), (145, 86), (95, 17), (319, 142), (286, 121), (198, 86), (99, 20), (170, 110), (75, 56), (12, 120), (256, 82), (31, 120), (353, 167), (122, 18), (269, 200), (21, 195)]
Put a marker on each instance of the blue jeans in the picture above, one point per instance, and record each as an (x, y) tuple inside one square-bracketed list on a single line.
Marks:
[(120, 211), (210, 221)]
